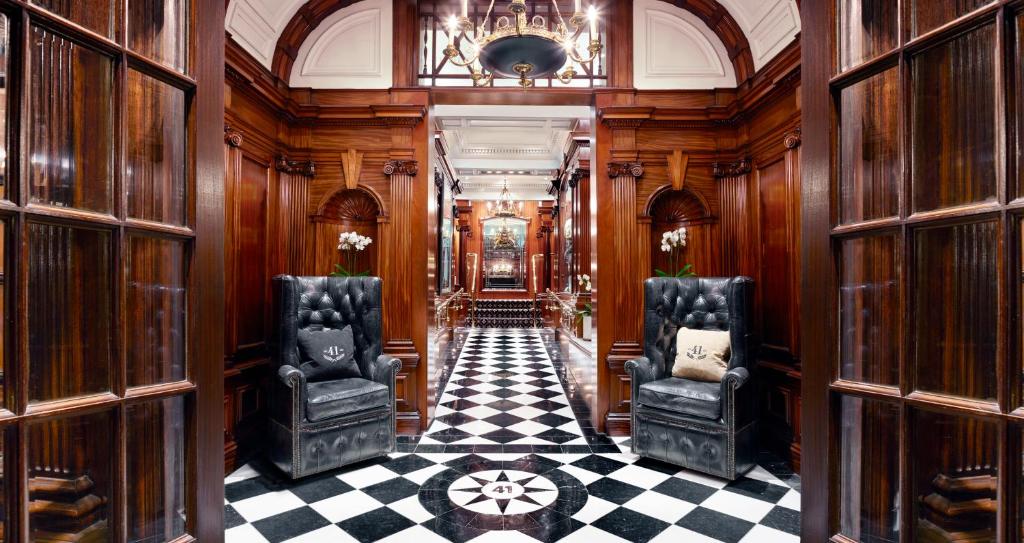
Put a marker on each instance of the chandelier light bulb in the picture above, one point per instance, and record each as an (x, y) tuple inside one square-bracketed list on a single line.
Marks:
[(577, 6), (592, 16), (465, 8)]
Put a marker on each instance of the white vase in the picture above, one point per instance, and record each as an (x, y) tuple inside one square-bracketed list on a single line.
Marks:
[(588, 325)]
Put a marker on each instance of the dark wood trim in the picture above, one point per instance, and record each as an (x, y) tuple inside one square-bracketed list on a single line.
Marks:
[(816, 269), (208, 269)]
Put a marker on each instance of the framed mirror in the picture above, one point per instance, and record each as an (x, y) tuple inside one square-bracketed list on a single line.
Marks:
[(504, 262)]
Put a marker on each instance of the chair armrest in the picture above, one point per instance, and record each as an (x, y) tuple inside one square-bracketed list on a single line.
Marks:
[(735, 397), (641, 370), (384, 370), (291, 377), (288, 396), (734, 378)]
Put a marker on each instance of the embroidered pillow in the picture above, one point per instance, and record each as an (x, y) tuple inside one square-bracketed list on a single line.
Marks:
[(328, 354), (701, 355)]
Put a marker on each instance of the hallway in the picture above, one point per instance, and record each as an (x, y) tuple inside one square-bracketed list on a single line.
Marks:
[(506, 459)]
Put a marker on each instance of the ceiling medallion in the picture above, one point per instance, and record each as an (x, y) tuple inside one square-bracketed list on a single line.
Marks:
[(519, 49)]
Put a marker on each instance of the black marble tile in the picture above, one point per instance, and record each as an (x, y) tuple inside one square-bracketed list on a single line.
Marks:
[(392, 490), (429, 448), (757, 489), (613, 491), (408, 464), (319, 487), (631, 525), (783, 519), (504, 419), (290, 524), (232, 518), (374, 525), (682, 489), (715, 525), (599, 464), (248, 488)]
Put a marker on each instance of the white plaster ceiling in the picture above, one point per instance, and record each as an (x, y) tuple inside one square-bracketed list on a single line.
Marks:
[(524, 144), (770, 25), (674, 49), (257, 24), (350, 49)]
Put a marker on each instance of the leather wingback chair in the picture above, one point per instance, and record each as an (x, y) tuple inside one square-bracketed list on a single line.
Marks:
[(317, 426), (708, 427)]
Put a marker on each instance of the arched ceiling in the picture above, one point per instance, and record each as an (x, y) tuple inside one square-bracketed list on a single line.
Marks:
[(752, 31)]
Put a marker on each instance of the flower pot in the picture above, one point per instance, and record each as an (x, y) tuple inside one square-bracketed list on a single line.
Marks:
[(588, 326)]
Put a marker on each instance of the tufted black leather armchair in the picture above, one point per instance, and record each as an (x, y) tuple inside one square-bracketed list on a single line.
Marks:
[(317, 426), (707, 427)]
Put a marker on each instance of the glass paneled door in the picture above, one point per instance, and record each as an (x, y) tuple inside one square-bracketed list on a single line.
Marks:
[(110, 121), (912, 270)]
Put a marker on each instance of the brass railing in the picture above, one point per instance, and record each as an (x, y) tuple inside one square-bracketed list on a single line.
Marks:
[(560, 304), (454, 302)]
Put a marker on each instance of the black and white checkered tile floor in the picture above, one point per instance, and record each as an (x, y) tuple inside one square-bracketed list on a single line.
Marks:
[(506, 460)]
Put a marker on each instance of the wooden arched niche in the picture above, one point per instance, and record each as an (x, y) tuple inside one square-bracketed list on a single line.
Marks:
[(670, 209), (347, 210)]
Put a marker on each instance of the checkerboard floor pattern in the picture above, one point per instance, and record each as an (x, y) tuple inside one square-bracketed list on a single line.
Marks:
[(504, 407)]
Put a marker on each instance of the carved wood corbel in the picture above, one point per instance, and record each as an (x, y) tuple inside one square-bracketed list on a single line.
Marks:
[(232, 137), (577, 175), (351, 167), (619, 169), (677, 165), (793, 138), (731, 169), (401, 167)]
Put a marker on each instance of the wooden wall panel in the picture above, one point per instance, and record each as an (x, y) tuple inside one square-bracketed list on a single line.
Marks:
[(776, 272)]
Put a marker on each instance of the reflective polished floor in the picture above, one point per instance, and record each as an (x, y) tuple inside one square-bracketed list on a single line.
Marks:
[(506, 459)]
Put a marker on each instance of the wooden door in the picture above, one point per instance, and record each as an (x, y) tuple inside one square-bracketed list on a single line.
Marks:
[(111, 217), (912, 222)]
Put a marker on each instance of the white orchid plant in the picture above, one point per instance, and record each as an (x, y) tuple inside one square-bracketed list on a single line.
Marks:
[(585, 287), (350, 243), (673, 242), (584, 282)]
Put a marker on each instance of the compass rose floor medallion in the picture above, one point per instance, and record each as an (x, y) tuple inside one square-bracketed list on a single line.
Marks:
[(501, 492)]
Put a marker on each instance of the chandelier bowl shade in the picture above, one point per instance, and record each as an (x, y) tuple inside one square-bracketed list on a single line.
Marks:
[(543, 55)]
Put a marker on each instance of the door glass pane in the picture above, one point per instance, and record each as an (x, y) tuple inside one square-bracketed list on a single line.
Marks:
[(1020, 105), (867, 29), (869, 470), (69, 311), (156, 470), (869, 148), (869, 310), (157, 29), (155, 150), (954, 122), (954, 462), (71, 128), (70, 465), (155, 316), (930, 14), (96, 15), (4, 308), (956, 285), (4, 70)]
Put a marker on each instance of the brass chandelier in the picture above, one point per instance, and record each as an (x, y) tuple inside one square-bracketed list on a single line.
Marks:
[(504, 206), (521, 49)]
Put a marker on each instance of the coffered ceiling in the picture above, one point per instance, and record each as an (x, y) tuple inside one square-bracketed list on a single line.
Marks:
[(488, 144)]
